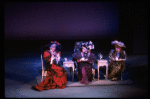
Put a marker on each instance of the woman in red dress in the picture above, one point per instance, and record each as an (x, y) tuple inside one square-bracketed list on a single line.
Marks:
[(56, 75)]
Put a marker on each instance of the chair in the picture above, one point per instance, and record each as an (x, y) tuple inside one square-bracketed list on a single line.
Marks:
[(44, 72)]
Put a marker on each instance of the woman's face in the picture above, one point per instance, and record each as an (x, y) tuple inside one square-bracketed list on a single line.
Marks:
[(84, 49), (53, 49), (117, 48)]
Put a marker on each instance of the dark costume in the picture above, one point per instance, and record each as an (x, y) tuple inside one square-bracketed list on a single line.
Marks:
[(84, 66), (77, 47), (56, 76), (116, 68)]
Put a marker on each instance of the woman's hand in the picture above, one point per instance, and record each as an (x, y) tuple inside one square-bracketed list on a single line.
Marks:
[(119, 59), (83, 59), (86, 60), (112, 59), (52, 58), (78, 60)]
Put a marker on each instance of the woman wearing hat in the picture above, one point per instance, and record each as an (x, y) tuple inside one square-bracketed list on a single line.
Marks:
[(77, 47), (56, 75), (117, 57), (84, 60)]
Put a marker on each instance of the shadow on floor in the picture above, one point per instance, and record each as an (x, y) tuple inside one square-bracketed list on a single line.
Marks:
[(139, 75), (21, 78)]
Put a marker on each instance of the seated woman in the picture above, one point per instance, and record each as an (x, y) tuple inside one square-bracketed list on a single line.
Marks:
[(117, 59), (56, 75), (84, 60), (77, 47)]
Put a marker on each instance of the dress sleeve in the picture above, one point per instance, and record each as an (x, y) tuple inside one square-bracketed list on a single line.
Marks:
[(74, 55), (125, 55), (110, 54), (46, 56), (92, 58)]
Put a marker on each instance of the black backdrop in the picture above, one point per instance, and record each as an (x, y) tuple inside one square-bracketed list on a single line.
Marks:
[(132, 31)]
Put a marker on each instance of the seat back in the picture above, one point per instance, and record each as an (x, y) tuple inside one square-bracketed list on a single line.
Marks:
[(44, 73)]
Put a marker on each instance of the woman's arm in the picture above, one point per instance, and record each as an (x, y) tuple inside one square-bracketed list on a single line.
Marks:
[(58, 57), (124, 58), (46, 56), (91, 58), (110, 55)]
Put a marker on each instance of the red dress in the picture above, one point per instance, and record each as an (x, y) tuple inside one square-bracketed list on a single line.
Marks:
[(56, 76)]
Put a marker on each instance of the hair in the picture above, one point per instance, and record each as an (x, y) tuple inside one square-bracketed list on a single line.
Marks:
[(53, 45)]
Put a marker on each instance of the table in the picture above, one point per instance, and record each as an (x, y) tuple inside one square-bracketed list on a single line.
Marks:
[(69, 64), (103, 62)]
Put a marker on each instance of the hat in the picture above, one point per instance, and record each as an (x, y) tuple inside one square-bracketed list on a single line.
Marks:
[(85, 44), (51, 44), (119, 43), (55, 44), (90, 45)]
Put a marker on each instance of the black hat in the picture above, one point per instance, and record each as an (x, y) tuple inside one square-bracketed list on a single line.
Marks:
[(85, 44)]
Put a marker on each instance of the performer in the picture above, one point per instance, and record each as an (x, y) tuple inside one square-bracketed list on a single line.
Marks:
[(84, 60), (117, 59), (77, 47), (56, 75)]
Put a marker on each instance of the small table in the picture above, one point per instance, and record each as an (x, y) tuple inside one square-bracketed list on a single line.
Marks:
[(69, 64), (103, 62)]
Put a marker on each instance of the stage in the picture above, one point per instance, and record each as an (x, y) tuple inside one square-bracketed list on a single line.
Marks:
[(31, 26), (21, 74), (95, 82)]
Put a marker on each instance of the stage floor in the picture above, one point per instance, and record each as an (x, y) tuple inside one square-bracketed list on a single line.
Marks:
[(21, 73), (95, 82)]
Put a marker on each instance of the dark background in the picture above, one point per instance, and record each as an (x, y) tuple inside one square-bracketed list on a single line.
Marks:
[(30, 25)]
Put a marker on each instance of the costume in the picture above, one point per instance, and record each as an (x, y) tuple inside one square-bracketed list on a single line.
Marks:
[(56, 75), (84, 67), (77, 47), (117, 66)]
